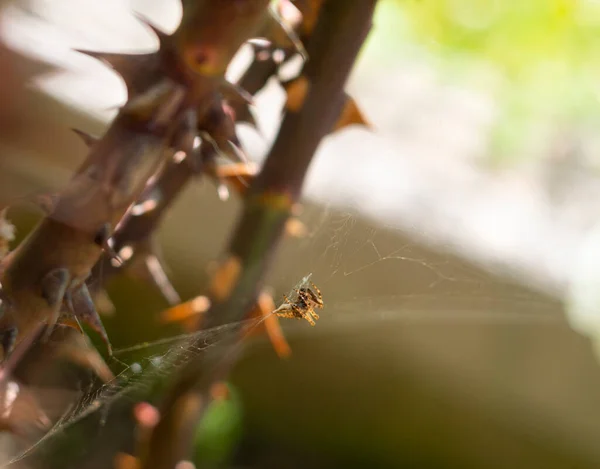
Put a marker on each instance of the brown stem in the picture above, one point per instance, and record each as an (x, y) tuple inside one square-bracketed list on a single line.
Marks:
[(170, 183), (338, 36), (58, 255)]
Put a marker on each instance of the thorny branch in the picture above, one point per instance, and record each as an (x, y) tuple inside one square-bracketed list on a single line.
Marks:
[(135, 171), (133, 239), (340, 31), (45, 274), (173, 95)]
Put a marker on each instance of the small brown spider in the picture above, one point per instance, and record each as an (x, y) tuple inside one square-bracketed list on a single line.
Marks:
[(304, 306)]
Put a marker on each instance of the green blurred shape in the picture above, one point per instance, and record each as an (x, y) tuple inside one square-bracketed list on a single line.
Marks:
[(545, 55), (219, 432)]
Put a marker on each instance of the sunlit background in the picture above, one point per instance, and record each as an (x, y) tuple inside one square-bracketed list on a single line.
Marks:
[(456, 241)]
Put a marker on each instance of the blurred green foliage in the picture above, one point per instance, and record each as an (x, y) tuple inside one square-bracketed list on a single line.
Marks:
[(540, 59), (219, 432)]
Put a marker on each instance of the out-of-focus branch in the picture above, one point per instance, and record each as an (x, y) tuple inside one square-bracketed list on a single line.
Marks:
[(338, 36), (136, 231), (47, 271)]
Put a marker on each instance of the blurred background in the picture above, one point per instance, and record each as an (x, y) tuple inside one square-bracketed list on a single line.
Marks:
[(456, 243)]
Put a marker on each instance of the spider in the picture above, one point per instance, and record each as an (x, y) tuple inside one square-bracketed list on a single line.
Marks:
[(304, 306)]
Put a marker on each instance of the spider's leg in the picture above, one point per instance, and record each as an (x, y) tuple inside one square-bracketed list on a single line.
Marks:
[(317, 297), (289, 315), (304, 313), (319, 294), (314, 313), (301, 294), (298, 312)]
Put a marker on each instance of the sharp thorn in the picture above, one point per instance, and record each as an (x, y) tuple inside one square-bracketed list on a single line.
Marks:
[(148, 266), (351, 114), (162, 36), (186, 310), (234, 93), (160, 279), (54, 287), (127, 66), (282, 35), (102, 239), (239, 153), (85, 311)]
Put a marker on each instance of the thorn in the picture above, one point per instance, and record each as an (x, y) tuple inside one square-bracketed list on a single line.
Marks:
[(84, 310), (54, 286), (87, 138), (225, 277), (237, 150), (263, 309), (161, 280), (282, 35), (161, 35), (235, 170), (156, 103), (351, 115), (76, 348), (296, 90), (233, 93), (102, 239), (243, 114), (237, 175), (69, 320), (128, 67), (148, 266), (186, 310)]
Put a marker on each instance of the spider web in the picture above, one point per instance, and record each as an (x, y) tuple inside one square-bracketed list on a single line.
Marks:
[(350, 255), (372, 276), (142, 365), (369, 274)]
